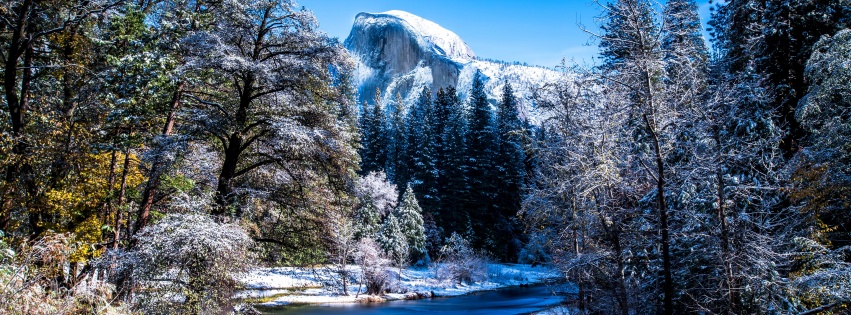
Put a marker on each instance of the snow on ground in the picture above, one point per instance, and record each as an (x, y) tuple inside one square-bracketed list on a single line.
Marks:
[(289, 285)]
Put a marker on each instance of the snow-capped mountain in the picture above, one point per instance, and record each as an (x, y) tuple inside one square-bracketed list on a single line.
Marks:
[(398, 52)]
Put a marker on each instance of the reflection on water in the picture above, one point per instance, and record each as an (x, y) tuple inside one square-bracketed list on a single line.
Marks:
[(504, 301)]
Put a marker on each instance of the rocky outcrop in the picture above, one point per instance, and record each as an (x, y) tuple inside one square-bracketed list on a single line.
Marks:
[(398, 52)]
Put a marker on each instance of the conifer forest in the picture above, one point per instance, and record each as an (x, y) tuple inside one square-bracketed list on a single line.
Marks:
[(155, 154)]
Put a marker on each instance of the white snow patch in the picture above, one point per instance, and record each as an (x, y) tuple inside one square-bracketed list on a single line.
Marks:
[(430, 35)]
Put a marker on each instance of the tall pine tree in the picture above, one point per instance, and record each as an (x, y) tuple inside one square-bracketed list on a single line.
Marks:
[(395, 167), (373, 136), (421, 150), (510, 170), (456, 173), (481, 153)]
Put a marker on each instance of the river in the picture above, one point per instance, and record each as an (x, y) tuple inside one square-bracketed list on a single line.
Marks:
[(506, 301)]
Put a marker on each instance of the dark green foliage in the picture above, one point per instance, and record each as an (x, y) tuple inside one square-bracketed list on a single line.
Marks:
[(482, 149), (510, 172), (374, 137), (396, 167), (456, 189), (466, 167)]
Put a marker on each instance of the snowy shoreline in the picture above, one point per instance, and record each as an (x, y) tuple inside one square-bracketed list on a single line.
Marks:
[(275, 287)]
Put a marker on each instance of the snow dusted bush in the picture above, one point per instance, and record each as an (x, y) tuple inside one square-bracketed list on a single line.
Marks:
[(460, 263), (375, 188), (184, 264), (374, 265), (826, 275), (534, 252), (376, 198)]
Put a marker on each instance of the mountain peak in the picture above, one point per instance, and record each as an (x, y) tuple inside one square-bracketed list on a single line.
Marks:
[(399, 53), (429, 35)]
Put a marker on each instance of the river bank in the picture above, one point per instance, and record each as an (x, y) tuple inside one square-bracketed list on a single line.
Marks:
[(272, 287), (542, 299)]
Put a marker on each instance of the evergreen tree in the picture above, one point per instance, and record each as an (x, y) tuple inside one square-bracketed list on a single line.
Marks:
[(367, 162), (393, 240), (379, 131), (396, 168), (367, 221), (822, 177), (683, 44), (456, 193), (790, 29), (410, 218), (510, 171), (374, 137), (481, 151), (421, 150), (443, 103)]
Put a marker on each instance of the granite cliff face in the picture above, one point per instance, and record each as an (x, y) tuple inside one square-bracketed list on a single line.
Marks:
[(398, 52)]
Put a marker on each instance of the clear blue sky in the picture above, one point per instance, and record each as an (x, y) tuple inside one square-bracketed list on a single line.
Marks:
[(537, 32)]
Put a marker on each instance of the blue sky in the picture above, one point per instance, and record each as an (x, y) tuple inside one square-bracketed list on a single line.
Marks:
[(536, 32)]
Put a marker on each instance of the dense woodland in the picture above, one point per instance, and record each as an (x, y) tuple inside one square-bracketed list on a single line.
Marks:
[(151, 150), (675, 179), (466, 164)]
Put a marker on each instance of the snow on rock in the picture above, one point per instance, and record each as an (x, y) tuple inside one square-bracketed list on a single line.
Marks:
[(288, 285), (428, 34), (400, 53)]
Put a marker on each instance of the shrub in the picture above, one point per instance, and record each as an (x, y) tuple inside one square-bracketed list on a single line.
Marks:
[(460, 263), (184, 264), (374, 265)]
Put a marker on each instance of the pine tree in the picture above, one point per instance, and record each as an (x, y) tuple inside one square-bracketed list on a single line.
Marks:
[(683, 44), (365, 121), (790, 29), (443, 103), (393, 240), (396, 168), (481, 152), (367, 221), (456, 195), (734, 27), (410, 218), (379, 131), (421, 150), (373, 137), (510, 156), (510, 170)]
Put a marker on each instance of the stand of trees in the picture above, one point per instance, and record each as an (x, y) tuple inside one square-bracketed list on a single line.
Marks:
[(166, 144), (465, 162), (674, 180)]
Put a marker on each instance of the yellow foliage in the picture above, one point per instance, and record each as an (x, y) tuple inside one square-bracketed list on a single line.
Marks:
[(817, 195), (83, 201)]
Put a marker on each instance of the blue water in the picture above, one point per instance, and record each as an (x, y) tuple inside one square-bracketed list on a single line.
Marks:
[(498, 302)]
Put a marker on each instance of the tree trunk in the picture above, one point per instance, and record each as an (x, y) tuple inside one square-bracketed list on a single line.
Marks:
[(121, 195), (653, 128), (107, 204), (725, 235), (224, 191), (157, 168), (16, 102), (233, 151), (668, 287)]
